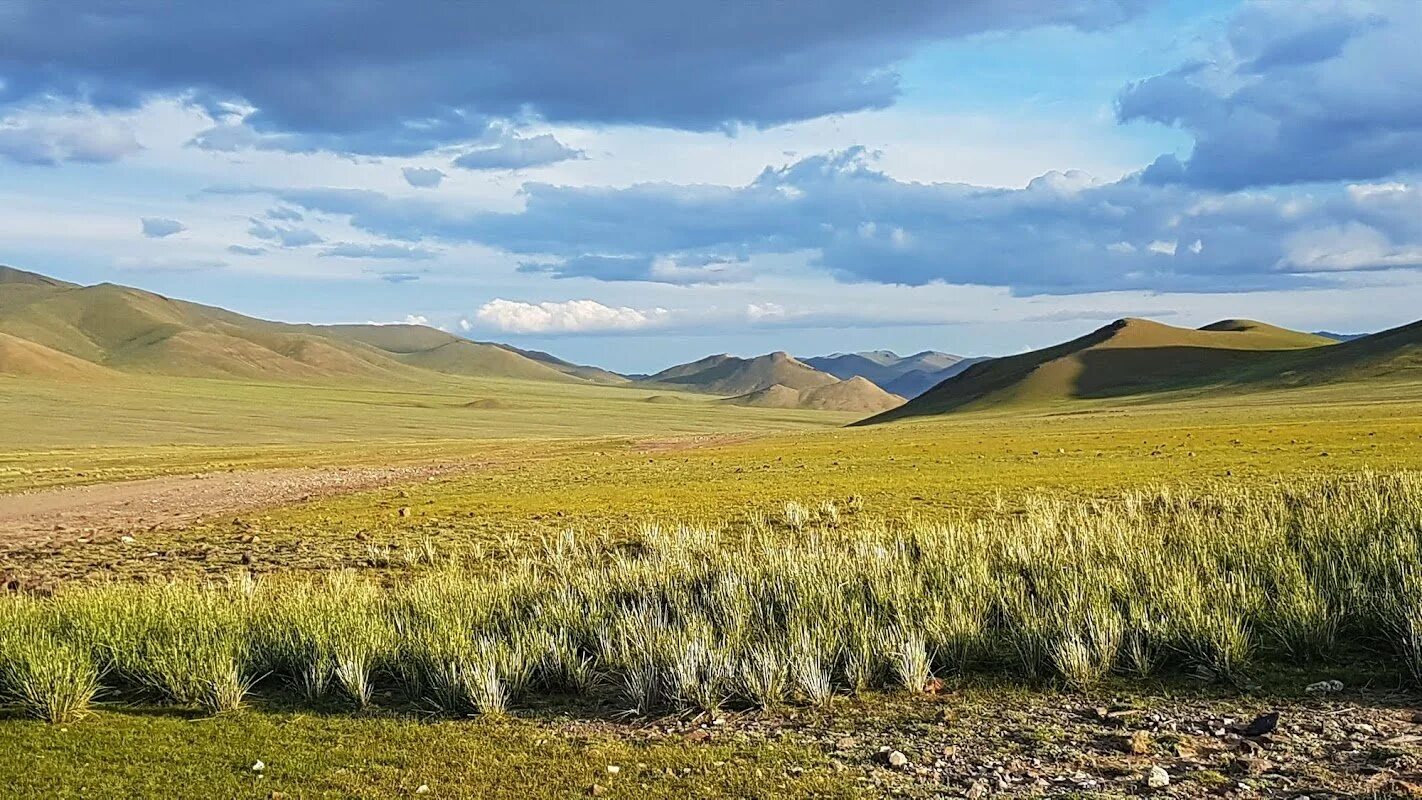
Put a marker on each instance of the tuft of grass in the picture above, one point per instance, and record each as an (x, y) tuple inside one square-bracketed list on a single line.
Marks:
[(46, 675), (690, 619)]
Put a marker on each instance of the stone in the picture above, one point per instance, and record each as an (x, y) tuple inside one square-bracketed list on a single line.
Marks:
[(1157, 778), (404, 511), (896, 759)]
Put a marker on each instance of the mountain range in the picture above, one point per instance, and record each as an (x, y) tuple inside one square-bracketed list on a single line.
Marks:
[(906, 376), (776, 380), (58, 330)]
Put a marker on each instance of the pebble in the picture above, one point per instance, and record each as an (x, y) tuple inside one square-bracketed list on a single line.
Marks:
[(897, 759), (258, 766), (1157, 778)]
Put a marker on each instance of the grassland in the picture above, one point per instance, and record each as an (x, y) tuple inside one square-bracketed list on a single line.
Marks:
[(1212, 480), (59, 433)]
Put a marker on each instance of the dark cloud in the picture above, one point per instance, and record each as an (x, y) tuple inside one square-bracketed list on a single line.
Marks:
[(396, 252), (423, 177), (371, 76), (1331, 94), (518, 153), (158, 227), (1063, 233)]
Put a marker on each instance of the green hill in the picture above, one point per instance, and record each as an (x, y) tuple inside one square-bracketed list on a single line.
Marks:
[(130, 330), (1126, 358)]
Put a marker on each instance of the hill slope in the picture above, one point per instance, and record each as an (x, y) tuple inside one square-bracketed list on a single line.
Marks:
[(857, 395), (1127, 357), (131, 330), (729, 375)]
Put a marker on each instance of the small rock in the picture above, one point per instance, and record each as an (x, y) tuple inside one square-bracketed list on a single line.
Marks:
[(404, 511), (846, 743), (258, 766), (1157, 778), (613, 769), (424, 789), (896, 759), (1324, 687), (596, 791)]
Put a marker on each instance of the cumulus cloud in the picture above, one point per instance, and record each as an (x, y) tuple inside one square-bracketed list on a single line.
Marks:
[(50, 135), (1060, 234), (572, 316), (387, 78), (518, 153), (1330, 90), (159, 228), (423, 177), (382, 250)]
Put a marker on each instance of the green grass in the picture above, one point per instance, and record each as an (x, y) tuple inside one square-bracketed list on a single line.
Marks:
[(165, 425), (793, 607), (157, 752)]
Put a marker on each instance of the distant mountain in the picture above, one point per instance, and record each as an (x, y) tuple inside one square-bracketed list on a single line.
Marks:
[(907, 376), (594, 374), (733, 376), (53, 328), (1127, 357), (856, 394), (915, 382), (1339, 337)]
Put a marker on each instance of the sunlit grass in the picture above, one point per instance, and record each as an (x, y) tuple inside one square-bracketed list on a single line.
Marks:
[(793, 607)]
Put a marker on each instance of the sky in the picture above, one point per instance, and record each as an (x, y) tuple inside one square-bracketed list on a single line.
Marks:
[(636, 183)]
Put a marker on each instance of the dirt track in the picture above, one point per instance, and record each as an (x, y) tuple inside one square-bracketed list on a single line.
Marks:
[(109, 510)]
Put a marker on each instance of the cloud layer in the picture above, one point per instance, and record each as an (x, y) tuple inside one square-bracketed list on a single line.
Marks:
[(1063, 233), (1298, 92), (385, 78)]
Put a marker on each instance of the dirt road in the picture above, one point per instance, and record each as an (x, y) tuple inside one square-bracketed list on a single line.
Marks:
[(110, 510)]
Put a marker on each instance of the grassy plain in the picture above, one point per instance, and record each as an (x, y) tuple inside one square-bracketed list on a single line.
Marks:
[(601, 463)]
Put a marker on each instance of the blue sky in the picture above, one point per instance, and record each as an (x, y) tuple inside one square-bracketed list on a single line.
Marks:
[(661, 180)]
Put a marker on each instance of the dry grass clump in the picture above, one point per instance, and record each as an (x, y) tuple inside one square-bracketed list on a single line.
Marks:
[(794, 609)]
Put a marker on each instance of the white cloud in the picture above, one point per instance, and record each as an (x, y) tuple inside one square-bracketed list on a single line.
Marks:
[(52, 135), (572, 316), (760, 311), (1163, 248)]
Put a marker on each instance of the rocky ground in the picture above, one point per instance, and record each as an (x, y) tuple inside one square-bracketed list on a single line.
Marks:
[(1181, 742)]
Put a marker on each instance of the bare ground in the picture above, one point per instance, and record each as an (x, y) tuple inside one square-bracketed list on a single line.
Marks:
[(107, 511)]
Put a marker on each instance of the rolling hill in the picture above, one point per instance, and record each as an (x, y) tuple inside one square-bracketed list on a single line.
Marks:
[(1132, 357), (858, 395), (733, 376), (52, 327)]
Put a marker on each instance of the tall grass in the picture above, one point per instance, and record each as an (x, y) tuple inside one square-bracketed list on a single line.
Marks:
[(795, 607)]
